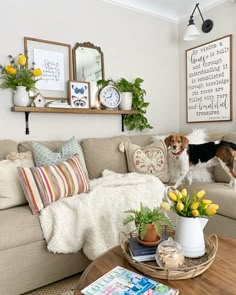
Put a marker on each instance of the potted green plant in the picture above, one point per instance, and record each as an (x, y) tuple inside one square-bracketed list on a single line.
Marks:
[(19, 78), (132, 121), (126, 91), (146, 219)]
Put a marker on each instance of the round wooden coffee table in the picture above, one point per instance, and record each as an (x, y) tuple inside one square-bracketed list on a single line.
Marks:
[(220, 278)]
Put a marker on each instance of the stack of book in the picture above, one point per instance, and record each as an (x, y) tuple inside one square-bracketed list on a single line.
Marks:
[(121, 281), (140, 252)]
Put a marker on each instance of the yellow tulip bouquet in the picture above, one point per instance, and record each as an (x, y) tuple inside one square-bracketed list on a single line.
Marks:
[(16, 74), (187, 205)]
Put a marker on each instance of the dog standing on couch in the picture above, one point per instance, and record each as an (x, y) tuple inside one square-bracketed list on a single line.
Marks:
[(178, 160), (222, 152)]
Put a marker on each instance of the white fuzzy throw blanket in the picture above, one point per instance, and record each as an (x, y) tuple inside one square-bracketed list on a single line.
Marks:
[(93, 221)]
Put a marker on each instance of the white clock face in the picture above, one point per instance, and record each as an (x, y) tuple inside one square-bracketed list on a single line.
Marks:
[(110, 97)]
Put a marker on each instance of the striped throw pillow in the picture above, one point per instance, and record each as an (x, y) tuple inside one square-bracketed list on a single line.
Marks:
[(44, 185)]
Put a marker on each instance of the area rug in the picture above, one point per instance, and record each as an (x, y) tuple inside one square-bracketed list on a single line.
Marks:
[(63, 287)]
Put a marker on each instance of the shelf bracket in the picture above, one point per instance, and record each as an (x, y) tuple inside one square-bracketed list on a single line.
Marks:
[(27, 123), (122, 122)]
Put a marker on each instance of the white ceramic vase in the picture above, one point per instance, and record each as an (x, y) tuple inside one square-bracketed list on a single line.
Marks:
[(189, 234), (126, 101), (21, 97)]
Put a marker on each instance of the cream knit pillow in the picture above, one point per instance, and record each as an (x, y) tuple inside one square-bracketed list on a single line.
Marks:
[(11, 193)]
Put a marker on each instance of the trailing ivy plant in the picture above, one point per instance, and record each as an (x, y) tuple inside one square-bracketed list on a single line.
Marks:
[(133, 121)]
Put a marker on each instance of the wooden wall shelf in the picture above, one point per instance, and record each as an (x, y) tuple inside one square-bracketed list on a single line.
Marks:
[(28, 110)]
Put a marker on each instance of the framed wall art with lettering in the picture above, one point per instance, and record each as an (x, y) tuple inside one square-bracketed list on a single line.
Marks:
[(209, 81), (54, 59)]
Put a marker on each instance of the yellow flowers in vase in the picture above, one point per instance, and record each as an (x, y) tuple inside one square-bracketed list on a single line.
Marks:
[(193, 205), (16, 74)]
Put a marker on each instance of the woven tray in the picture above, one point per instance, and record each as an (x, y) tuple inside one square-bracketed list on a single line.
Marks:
[(192, 267)]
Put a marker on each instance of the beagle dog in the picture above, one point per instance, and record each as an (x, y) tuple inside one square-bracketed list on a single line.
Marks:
[(177, 159), (181, 155)]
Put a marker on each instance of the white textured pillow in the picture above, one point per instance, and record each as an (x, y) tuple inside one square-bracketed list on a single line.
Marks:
[(200, 173), (11, 193)]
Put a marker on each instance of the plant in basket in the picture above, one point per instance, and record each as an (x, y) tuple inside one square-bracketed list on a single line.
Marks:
[(148, 222)]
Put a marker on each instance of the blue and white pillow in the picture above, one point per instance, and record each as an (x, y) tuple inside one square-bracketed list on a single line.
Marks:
[(43, 156)]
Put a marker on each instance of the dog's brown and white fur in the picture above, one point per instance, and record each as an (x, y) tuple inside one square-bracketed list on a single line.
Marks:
[(177, 159), (226, 156)]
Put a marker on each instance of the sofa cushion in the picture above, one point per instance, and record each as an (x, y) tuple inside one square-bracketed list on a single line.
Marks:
[(221, 194), (219, 173), (151, 159), (215, 136), (103, 153), (19, 227), (7, 146), (44, 156), (44, 185), (230, 137), (141, 140), (11, 193), (53, 145)]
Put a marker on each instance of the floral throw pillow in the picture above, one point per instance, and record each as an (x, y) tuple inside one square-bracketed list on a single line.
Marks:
[(149, 159), (44, 185)]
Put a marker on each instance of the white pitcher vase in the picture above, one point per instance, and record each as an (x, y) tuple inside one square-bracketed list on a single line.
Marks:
[(21, 97), (189, 234)]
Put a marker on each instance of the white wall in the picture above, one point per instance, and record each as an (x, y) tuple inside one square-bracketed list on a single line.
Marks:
[(224, 20), (134, 45)]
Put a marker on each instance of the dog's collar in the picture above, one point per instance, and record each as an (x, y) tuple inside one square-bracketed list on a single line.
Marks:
[(178, 153)]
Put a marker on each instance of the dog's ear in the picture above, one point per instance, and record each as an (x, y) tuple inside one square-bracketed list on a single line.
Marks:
[(167, 140), (185, 141)]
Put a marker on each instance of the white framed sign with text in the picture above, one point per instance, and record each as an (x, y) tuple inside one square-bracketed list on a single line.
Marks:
[(209, 81)]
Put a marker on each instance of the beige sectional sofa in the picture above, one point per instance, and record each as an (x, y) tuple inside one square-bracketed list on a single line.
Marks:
[(25, 263)]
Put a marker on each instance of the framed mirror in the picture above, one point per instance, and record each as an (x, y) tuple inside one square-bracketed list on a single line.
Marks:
[(88, 66)]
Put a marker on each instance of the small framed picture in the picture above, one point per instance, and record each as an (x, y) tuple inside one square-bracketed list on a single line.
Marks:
[(79, 94)]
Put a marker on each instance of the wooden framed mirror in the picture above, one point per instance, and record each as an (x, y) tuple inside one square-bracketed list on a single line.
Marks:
[(88, 66)]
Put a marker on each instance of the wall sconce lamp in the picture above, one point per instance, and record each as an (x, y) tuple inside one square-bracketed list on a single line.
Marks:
[(192, 32)]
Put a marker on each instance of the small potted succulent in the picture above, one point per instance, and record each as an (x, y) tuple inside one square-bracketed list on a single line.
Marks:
[(149, 222)]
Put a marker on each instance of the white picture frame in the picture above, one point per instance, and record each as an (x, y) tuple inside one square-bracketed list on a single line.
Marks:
[(79, 94), (209, 81)]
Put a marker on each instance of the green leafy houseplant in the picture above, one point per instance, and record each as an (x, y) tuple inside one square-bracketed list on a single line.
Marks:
[(16, 74), (146, 216), (133, 121)]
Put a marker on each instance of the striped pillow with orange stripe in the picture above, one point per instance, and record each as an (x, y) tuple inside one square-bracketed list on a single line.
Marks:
[(47, 184)]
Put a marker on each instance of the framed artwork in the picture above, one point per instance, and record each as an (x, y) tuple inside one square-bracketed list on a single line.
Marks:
[(209, 81), (54, 59), (79, 94)]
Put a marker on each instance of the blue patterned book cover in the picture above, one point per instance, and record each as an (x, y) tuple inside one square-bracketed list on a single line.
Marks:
[(121, 281), (138, 249)]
